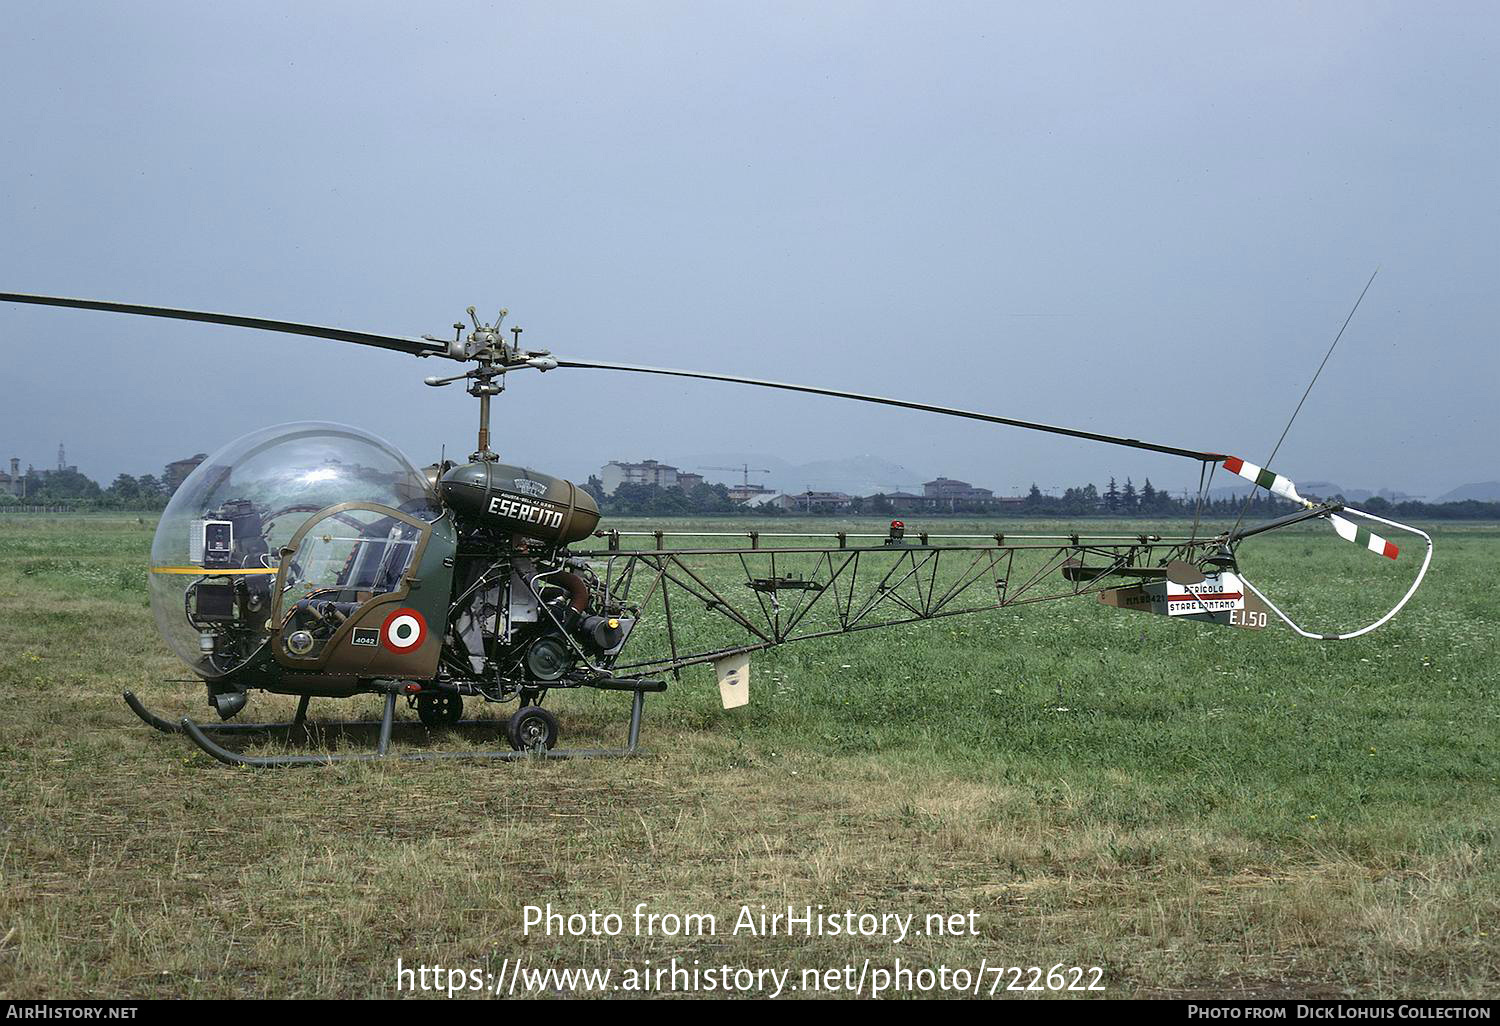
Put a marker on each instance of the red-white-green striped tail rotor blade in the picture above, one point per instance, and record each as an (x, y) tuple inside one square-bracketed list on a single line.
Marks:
[(1350, 531), (1267, 479)]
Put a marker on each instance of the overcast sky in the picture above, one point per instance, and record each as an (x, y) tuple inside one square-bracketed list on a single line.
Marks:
[(1147, 219)]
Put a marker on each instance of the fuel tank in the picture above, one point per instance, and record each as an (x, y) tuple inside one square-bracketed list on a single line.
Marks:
[(520, 501)]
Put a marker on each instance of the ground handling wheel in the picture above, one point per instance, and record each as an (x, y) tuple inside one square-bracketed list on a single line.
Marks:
[(532, 729), (439, 708)]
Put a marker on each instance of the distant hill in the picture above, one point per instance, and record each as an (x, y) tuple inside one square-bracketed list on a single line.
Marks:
[(1240, 489), (1325, 490), (1482, 491)]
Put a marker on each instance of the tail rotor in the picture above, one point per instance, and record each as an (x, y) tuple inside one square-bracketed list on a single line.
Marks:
[(1278, 484)]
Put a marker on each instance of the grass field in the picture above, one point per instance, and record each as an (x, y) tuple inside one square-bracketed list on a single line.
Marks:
[(1196, 810)]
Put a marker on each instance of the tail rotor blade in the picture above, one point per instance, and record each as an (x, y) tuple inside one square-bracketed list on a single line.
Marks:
[(1352, 532), (1268, 479)]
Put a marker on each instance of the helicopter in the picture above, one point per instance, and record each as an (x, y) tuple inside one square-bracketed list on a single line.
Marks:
[(314, 560)]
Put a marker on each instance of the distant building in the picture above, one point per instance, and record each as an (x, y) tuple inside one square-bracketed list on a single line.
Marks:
[(811, 502), (943, 494), (945, 489), (687, 480), (750, 494), (13, 483), (900, 502), (647, 472), (177, 471)]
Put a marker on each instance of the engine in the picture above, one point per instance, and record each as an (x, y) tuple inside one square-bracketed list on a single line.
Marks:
[(525, 613), (525, 619)]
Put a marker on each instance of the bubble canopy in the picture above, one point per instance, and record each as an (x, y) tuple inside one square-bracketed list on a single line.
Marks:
[(264, 486)]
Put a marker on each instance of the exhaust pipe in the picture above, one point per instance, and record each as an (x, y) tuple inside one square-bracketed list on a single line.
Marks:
[(228, 703)]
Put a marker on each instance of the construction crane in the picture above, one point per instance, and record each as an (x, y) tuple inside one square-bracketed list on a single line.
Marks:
[(744, 469)]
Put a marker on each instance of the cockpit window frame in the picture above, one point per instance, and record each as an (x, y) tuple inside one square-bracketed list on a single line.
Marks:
[(279, 614)]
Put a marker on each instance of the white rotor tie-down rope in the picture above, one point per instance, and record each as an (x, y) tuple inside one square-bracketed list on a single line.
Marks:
[(1421, 573)]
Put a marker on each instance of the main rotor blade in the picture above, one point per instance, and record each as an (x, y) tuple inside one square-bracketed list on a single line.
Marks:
[(1133, 443), (416, 347)]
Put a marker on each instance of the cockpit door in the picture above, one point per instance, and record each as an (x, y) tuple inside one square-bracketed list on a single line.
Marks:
[(343, 602)]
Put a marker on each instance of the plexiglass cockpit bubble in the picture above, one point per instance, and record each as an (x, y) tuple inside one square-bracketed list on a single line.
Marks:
[(214, 558)]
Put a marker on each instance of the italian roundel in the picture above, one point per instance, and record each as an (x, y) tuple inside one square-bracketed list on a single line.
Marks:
[(403, 631)]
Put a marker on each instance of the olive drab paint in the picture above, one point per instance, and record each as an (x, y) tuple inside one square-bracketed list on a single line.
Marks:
[(521, 501)]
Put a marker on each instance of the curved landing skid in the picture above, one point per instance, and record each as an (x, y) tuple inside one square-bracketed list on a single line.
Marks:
[(166, 726), (199, 735)]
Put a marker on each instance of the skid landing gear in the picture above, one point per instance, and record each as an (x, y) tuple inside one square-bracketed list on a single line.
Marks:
[(299, 721), (531, 733)]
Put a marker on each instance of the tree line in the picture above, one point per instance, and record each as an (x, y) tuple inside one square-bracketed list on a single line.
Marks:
[(1086, 500), (1147, 501), (73, 490)]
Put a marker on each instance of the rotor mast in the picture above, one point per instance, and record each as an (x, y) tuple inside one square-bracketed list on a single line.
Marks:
[(486, 347)]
